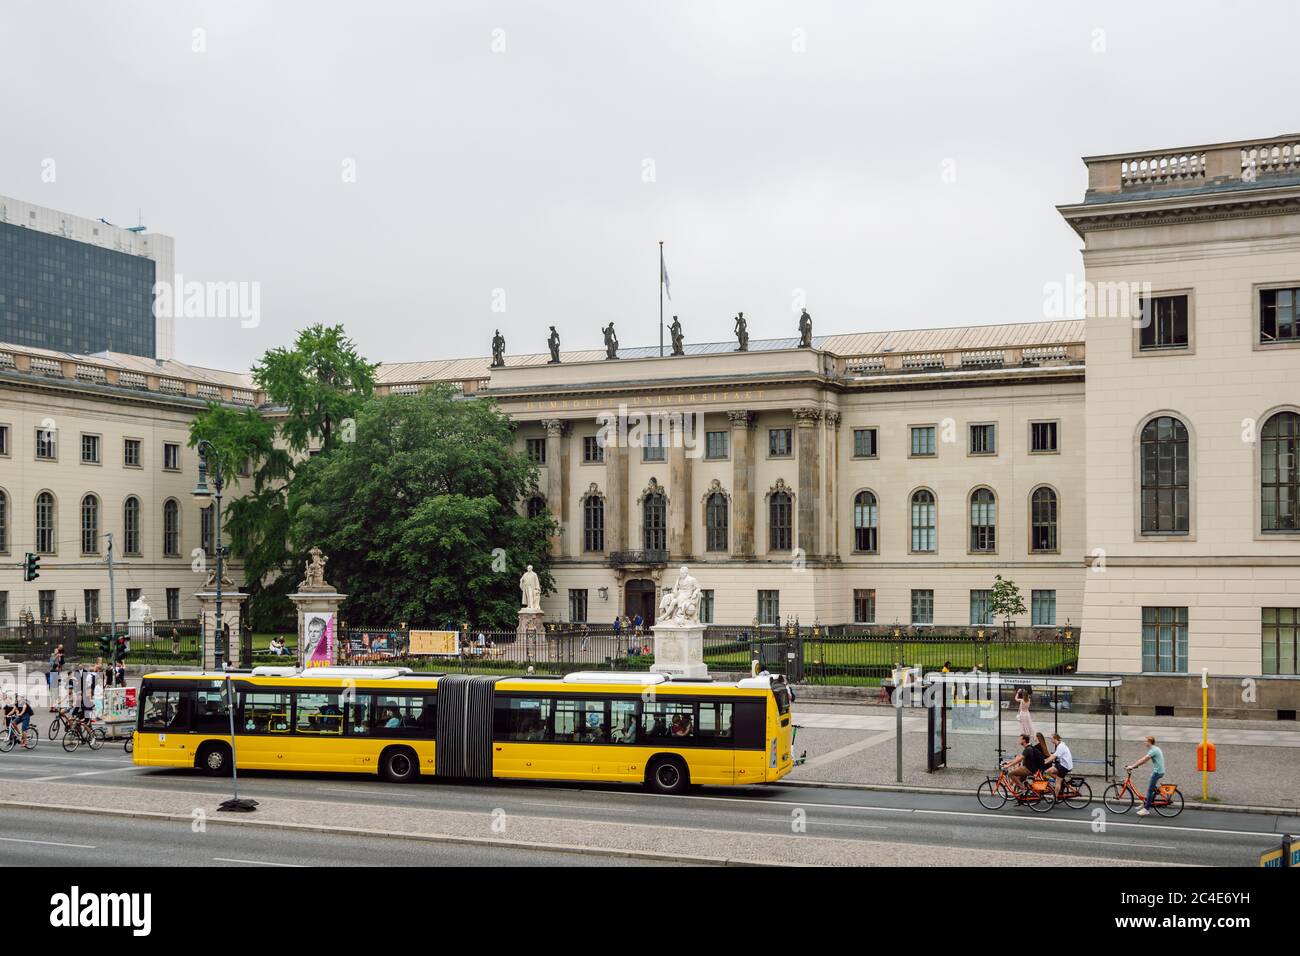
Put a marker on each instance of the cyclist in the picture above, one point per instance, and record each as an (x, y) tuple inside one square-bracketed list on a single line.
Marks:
[(22, 714), (1061, 762), (1157, 758), (1029, 762)]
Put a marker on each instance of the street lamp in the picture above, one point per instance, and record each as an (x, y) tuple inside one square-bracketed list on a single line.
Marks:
[(203, 496)]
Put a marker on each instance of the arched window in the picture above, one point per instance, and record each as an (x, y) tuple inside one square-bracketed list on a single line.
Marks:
[(1042, 520), (90, 525), (536, 506), (593, 523), (866, 522), (923, 521), (171, 528), (1279, 473), (206, 537), (983, 520), (654, 529), (1166, 477), (45, 537), (4, 522), (780, 525), (716, 522), (131, 525)]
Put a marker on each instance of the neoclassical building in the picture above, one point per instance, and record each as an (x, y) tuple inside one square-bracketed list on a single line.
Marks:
[(1143, 487)]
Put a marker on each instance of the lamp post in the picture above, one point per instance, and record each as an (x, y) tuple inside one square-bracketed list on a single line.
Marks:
[(208, 463)]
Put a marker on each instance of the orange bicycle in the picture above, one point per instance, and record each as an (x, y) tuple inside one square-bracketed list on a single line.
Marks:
[(1120, 797), (993, 794)]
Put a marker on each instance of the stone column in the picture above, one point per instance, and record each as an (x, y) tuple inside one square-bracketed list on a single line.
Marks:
[(808, 449), (832, 439), (232, 607), (555, 481), (615, 493), (680, 503), (742, 483)]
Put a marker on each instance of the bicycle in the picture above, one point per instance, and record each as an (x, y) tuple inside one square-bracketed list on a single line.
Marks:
[(129, 744), (82, 733), (61, 724), (1075, 792), (1119, 797), (11, 737), (993, 794)]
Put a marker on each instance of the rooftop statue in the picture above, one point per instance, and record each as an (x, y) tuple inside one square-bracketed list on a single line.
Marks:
[(498, 350), (675, 330), (742, 333), (805, 330), (554, 344), (611, 342)]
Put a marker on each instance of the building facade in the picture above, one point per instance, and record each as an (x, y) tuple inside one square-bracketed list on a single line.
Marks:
[(79, 285)]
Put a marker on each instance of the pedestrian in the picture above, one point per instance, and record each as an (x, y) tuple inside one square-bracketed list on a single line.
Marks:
[(1157, 758), (638, 622), (586, 635), (53, 678), (119, 674), (1023, 715), (176, 643), (618, 625)]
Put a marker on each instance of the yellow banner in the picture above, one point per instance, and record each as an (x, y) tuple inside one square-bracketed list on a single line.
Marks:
[(435, 642)]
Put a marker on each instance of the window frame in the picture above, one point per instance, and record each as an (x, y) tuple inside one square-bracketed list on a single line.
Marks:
[(1258, 489), (863, 596), (912, 526), (970, 440), (1035, 605), (36, 445), (712, 532), (872, 529), (589, 442), (531, 443), (97, 512), (1180, 642), (1257, 294), (788, 431), (933, 428), (1056, 434), (53, 530), (178, 532), (139, 452), (915, 592), (773, 598), (174, 469), (1056, 520), (1140, 534), (992, 529), (98, 460), (786, 542), (875, 442), (593, 504), (1189, 348), (6, 440), (656, 530), (726, 442)]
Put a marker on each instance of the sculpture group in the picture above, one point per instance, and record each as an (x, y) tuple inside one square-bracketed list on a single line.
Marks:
[(740, 329)]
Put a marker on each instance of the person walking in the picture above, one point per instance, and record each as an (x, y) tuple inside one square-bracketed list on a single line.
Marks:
[(1156, 756), (1023, 715), (54, 676)]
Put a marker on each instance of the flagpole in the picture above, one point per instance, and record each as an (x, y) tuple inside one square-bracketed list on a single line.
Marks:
[(661, 298)]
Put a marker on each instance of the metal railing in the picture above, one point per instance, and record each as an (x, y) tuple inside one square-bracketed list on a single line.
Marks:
[(177, 643)]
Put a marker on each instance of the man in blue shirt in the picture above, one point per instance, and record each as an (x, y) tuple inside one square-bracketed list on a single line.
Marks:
[(1157, 758)]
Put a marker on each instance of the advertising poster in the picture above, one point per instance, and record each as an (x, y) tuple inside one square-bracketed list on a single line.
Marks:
[(318, 639), (435, 642)]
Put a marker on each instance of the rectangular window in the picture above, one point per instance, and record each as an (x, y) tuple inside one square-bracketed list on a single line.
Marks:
[(90, 601), (662, 721), (131, 452), (4, 441), (45, 605), (1164, 640), (1279, 315), (706, 606), (90, 449), (1042, 437), (211, 709), (577, 605), (715, 720), (864, 605), (1043, 606), (402, 715), (132, 595), (1164, 323), (864, 443), (318, 714), (536, 449), (779, 443), (652, 448), (47, 448), (163, 710), (923, 607), (984, 439), (4, 606), (171, 456), (717, 445), (593, 453), (521, 718), (579, 722), (980, 613), (173, 604), (263, 712), (769, 607), (1280, 647), (623, 723), (923, 441)]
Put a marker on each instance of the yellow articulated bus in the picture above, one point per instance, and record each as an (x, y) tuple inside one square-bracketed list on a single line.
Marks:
[(667, 733)]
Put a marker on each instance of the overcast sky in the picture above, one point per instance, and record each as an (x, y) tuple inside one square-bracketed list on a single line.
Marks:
[(773, 147)]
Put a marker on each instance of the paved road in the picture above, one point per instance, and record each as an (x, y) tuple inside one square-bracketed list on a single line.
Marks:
[(1204, 837)]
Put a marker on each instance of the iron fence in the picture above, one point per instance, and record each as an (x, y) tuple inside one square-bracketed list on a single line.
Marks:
[(161, 642)]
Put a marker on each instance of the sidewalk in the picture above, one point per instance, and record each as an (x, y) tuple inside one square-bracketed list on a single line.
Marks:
[(1258, 762)]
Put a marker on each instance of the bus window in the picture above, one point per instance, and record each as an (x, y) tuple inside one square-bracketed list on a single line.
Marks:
[(521, 718), (159, 709), (667, 721), (782, 695), (580, 721), (359, 716), (319, 713), (263, 712), (622, 721), (402, 715), (211, 715), (715, 720)]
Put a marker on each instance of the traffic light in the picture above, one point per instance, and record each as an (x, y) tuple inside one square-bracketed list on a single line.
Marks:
[(122, 648), (31, 567), (105, 645)]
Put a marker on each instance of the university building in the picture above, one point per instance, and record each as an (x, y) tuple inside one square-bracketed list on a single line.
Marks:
[(1135, 472)]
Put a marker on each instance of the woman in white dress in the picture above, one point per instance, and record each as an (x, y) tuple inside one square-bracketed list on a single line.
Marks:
[(1026, 722)]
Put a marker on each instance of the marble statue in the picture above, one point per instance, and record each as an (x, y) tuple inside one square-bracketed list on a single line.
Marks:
[(681, 603), (675, 330), (498, 350), (742, 333), (315, 575), (805, 330), (553, 343), (140, 612), (611, 342), (531, 588)]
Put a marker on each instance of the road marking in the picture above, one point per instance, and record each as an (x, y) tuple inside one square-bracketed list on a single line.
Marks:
[(1158, 846), (75, 846), (858, 826), (575, 806), (81, 773), (223, 859)]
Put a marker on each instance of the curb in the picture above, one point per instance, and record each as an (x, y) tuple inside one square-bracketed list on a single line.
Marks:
[(390, 835), (956, 792)]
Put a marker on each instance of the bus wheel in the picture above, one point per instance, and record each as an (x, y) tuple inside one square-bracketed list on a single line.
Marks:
[(214, 760), (399, 765), (668, 775)]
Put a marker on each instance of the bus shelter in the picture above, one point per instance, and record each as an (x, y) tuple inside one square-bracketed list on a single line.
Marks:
[(973, 719)]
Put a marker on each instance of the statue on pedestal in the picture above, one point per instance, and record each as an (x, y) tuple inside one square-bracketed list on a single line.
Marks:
[(742, 333), (681, 604), (531, 589), (675, 330), (498, 350), (805, 330), (315, 574), (553, 343)]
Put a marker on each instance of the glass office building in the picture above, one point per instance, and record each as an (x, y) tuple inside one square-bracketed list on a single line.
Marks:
[(58, 293)]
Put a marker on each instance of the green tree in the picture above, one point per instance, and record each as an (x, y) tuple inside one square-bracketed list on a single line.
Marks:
[(419, 515), (1005, 601)]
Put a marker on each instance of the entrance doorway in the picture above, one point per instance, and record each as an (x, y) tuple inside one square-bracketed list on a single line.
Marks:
[(639, 598)]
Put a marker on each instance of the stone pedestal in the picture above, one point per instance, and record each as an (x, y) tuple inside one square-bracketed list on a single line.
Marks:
[(531, 633), (232, 614), (311, 605), (679, 650)]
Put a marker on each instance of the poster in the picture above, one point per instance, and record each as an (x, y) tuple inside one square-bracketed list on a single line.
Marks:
[(371, 644), (435, 642), (318, 639)]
